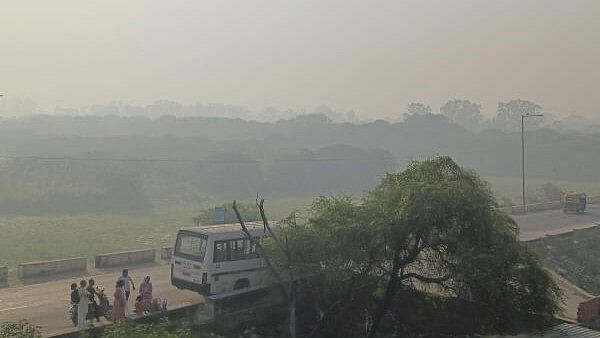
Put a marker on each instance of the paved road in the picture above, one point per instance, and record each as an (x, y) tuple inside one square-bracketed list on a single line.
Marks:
[(47, 304), (538, 224)]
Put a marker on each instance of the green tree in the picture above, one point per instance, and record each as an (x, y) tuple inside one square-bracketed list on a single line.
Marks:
[(509, 114), (163, 329), (465, 113), (418, 109), (433, 226)]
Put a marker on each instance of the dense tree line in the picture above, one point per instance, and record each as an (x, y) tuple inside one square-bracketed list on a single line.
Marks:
[(119, 118), (492, 151), (217, 158), (55, 186)]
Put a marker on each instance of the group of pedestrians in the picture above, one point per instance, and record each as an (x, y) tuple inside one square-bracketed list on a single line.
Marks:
[(84, 297)]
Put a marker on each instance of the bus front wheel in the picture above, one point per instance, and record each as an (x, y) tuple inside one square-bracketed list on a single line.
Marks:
[(241, 283)]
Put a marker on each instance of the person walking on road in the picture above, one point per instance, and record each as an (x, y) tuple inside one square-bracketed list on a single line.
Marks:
[(120, 302), (74, 294), (127, 283), (82, 308), (92, 293), (146, 292)]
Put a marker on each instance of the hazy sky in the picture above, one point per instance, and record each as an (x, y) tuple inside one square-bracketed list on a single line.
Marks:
[(370, 56)]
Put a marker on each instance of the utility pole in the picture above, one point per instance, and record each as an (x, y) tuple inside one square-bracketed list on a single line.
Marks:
[(523, 158), (523, 152)]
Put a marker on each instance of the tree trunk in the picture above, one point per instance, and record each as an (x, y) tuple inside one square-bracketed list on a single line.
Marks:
[(292, 309), (390, 292)]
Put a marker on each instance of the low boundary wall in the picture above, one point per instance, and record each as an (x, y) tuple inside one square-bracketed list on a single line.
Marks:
[(53, 267), (588, 310), (116, 259), (215, 314), (185, 314), (166, 253), (519, 209)]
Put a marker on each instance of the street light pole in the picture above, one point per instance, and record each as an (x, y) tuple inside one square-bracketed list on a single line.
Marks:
[(523, 152), (523, 158)]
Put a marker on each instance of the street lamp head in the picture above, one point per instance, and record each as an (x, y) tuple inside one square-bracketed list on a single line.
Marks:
[(532, 115)]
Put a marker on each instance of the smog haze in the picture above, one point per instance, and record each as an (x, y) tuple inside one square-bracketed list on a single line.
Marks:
[(371, 57)]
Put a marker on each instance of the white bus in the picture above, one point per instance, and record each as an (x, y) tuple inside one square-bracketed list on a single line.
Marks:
[(214, 259)]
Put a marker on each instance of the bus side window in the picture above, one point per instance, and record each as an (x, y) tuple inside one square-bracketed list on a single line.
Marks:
[(251, 250), (238, 249), (220, 251), (234, 250)]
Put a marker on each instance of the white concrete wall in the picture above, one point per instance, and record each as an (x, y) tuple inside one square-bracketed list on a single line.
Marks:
[(125, 258), (54, 267)]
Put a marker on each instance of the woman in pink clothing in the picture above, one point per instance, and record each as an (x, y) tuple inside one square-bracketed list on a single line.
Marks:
[(146, 292), (120, 303)]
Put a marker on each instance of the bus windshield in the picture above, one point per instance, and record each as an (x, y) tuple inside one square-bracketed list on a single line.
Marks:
[(192, 246)]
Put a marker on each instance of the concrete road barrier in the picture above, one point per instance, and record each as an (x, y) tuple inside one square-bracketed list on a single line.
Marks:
[(166, 253), (519, 210), (535, 207), (505, 209), (3, 274), (543, 206), (54, 267), (123, 258)]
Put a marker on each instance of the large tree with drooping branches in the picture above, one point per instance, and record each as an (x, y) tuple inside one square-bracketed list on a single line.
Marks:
[(432, 228)]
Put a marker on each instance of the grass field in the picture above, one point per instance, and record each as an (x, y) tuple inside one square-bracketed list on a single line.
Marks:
[(25, 239)]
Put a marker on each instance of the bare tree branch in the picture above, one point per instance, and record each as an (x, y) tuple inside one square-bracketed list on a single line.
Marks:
[(261, 251), (291, 290), (425, 279), (390, 291), (265, 221)]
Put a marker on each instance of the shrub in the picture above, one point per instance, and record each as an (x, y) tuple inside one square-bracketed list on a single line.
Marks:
[(164, 329), (20, 329)]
